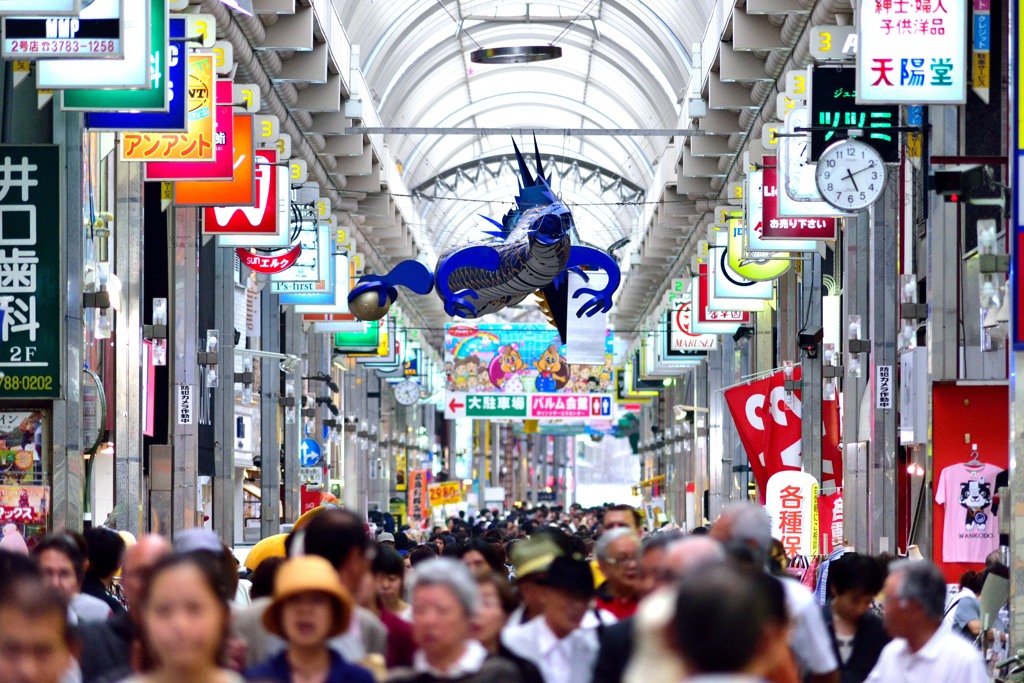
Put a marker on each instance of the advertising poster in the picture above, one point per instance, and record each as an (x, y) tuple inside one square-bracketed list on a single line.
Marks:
[(23, 514), (520, 372)]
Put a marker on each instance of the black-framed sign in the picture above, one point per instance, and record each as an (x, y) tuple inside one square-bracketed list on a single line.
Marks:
[(96, 33), (833, 104)]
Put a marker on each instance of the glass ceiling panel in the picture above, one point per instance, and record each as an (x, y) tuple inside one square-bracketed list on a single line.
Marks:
[(625, 64)]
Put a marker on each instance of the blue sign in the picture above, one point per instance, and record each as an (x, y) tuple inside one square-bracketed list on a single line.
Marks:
[(170, 121), (915, 115), (323, 297), (309, 453)]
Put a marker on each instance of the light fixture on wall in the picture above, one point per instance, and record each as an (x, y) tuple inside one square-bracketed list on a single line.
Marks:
[(326, 379)]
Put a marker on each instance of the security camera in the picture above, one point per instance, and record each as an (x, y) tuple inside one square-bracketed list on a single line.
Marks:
[(810, 341)]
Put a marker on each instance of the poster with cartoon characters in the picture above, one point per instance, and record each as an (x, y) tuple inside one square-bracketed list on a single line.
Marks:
[(519, 359), (519, 372)]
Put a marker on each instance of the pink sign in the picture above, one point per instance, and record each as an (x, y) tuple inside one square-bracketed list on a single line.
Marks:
[(556, 406), (222, 166), (775, 227)]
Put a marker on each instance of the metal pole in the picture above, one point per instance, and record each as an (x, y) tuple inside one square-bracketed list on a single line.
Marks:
[(129, 484), (884, 325), (270, 444), (700, 452), (68, 461), (224, 399), (294, 344), (810, 368), (717, 462)]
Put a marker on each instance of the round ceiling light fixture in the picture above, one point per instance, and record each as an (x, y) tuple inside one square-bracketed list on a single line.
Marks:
[(515, 55)]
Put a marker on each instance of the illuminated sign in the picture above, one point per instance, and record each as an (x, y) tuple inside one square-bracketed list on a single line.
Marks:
[(131, 71), (156, 98), (261, 218), (199, 143), (311, 265), (40, 7), (912, 52), (835, 110), (774, 227), (95, 32), (240, 190), (221, 167), (171, 120)]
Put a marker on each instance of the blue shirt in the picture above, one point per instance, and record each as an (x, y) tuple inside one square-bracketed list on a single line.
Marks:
[(277, 670)]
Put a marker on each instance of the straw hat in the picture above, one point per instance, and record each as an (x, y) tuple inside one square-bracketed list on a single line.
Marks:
[(308, 574)]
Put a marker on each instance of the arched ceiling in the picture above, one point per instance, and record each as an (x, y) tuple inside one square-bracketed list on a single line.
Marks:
[(625, 65)]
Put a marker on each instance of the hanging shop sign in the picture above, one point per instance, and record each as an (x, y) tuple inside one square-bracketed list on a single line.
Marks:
[(742, 294), (199, 142), (106, 112), (518, 407), (1016, 118), (707, 316), (221, 167), (266, 215), (831, 42), (155, 98), (25, 8), (239, 191), (809, 230), (317, 292), (342, 286), (269, 263), (445, 493), (761, 266), (417, 495), (30, 305), (128, 72), (835, 109), (798, 194), (361, 341), (679, 343), (792, 504), (981, 49), (95, 32), (314, 245), (912, 52)]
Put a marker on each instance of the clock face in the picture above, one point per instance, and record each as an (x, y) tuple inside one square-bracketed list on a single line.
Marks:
[(850, 175), (407, 392)]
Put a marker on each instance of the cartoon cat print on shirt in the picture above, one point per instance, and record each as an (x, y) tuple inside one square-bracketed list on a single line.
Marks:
[(975, 497)]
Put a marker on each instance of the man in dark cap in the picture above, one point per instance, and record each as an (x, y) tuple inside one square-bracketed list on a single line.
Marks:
[(554, 641)]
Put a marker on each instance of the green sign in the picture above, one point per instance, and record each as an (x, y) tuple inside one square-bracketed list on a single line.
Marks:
[(30, 306), (366, 341), (496, 406), (154, 98)]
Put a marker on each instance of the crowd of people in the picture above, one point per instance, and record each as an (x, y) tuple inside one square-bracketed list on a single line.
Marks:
[(540, 596)]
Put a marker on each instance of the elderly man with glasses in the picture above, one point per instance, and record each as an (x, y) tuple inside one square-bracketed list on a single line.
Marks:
[(617, 553)]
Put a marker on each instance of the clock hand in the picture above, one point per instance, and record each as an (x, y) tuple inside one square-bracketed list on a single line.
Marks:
[(866, 168), (850, 176)]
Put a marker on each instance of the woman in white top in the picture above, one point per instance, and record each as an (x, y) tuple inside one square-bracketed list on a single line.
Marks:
[(185, 623)]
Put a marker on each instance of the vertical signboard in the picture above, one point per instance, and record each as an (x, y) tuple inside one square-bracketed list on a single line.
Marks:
[(1017, 119), (30, 308), (981, 50), (417, 495), (792, 502), (912, 52)]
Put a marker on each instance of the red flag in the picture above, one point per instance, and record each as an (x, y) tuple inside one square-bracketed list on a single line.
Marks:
[(831, 451), (746, 405)]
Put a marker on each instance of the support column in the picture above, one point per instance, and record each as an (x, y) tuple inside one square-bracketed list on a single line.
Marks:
[(701, 476), (536, 454), (717, 461), (270, 440), (294, 344), (856, 501), (224, 399), (810, 368), (129, 482), (885, 322), (495, 478), (68, 462)]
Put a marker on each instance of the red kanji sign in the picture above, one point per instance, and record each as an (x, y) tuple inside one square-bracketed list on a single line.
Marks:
[(269, 263)]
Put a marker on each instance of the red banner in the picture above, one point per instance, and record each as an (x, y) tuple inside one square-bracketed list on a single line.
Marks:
[(830, 522), (831, 451), (418, 500), (269, 263), (769, 426)]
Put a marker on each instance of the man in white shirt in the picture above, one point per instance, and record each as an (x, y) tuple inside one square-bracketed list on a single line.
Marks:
[(556, 642), (923, 651)]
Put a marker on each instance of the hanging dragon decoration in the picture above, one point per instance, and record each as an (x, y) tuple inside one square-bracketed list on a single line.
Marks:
[(533, 249)]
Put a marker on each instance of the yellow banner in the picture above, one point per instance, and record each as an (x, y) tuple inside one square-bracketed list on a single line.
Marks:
[(445, 493)]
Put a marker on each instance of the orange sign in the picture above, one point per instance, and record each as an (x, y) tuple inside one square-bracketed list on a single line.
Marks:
[(240, 190), (198, 143), (418, 501)]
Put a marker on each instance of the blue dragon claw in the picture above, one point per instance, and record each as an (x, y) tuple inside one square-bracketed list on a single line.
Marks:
[(458, 304), (599, 302)]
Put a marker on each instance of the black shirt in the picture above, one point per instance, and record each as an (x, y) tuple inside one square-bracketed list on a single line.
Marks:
[(867, 646)]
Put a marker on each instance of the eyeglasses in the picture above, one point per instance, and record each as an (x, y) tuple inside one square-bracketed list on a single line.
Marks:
[(622, 559)]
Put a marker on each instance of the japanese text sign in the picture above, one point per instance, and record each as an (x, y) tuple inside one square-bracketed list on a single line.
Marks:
[(95, 32), (154, 98), (774, 227), (445, 493), (269, 263), (27, 508), (221, 167), (681, 341), (912, 51), (418, 501), (240, 190), (981, 50), (172, 118), (835, 108), (198, 144), (30, 308), (792, 502)]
